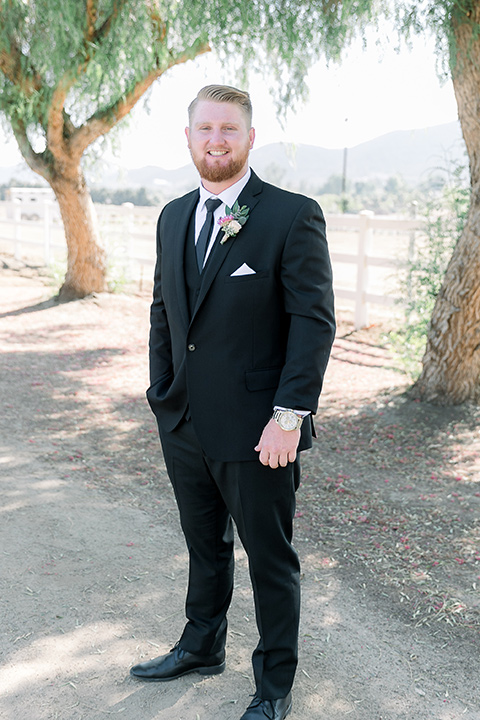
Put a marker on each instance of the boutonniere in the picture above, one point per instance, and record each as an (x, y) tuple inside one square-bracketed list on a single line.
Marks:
[(233, 221)]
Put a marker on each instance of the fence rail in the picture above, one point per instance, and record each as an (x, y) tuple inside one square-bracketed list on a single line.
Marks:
[(365, 224), (129, 233)]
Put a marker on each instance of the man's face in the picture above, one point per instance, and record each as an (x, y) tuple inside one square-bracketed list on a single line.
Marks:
[(220, 141)]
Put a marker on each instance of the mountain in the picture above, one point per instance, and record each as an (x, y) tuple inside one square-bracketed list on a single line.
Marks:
[(412, 154)]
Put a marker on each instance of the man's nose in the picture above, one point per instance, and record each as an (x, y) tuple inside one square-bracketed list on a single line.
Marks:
[(217, 136)]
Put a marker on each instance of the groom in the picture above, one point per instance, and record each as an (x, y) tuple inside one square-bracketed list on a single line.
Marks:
[(242, 322)]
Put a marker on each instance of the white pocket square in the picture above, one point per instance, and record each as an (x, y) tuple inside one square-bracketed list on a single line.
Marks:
[(243, 270)]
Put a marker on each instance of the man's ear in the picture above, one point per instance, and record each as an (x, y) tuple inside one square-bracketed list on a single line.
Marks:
[(187, 133), (251, 134)]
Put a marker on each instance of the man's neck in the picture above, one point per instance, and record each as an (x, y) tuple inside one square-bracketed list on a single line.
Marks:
[(217, 187)]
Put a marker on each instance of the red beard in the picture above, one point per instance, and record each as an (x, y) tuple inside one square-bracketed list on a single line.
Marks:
[(220, 172)]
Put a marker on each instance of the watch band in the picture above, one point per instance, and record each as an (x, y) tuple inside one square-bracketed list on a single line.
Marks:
[(287, 419)]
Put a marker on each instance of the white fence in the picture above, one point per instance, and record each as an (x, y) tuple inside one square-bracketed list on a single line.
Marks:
[(366, 250), (394, 237)]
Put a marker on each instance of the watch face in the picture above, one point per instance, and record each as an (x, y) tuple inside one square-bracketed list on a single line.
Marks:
[(288, 421)]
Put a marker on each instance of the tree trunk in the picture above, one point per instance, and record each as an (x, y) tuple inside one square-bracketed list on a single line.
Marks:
[(451, 364), (86, 266)]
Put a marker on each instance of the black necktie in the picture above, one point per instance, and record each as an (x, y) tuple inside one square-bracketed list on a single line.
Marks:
[(206, 231)]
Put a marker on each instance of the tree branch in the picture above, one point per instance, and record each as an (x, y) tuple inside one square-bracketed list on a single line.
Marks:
[(36, 161), (68, 126), (11, 67), (92, 14), (55, 123), (11, 58), (58, 133), (105, 28), (100, 123), (157, 23)]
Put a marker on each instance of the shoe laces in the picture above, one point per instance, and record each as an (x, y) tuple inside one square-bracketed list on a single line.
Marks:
[(178, 649), (267, 706)]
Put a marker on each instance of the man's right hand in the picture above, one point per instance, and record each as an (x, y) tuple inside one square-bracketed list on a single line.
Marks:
[(276, 446)]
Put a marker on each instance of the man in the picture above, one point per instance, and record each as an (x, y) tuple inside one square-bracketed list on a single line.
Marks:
[(242, 323)]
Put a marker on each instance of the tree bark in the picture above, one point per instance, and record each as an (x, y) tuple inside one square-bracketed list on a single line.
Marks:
[(86, 266), (451, 364)]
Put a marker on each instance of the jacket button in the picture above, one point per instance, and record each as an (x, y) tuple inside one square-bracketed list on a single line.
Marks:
[(192, 347)]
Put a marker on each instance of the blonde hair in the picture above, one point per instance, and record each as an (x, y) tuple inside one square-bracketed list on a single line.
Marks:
[(223, 93)]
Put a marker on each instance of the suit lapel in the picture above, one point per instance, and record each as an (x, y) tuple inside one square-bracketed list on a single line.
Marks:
[(180, 233), (249, 196)]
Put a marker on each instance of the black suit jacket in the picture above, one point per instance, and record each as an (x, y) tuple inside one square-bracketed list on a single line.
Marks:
[(253, 341)]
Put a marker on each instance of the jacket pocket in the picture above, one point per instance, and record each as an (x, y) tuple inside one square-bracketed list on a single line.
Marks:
[(265, 379), (249, 277), (160, 387)]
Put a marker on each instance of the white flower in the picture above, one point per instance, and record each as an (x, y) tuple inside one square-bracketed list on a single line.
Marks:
[(233, 227)]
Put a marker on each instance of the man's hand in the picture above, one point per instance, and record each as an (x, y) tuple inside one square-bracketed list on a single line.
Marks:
[(277, 446)]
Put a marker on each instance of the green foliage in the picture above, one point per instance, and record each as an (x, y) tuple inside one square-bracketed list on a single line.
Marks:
[(97, 57), (383, 197), (56, 273), (86, 56), (117, 275), (97, 51), (445, 217), (137, 196)]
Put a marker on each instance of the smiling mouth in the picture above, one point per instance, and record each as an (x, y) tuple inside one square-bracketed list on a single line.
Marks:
[(217, 153)]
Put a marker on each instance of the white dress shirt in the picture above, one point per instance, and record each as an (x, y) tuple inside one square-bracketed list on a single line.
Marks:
[(227, 197)]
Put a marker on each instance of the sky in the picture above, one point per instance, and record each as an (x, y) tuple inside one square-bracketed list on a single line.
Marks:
[(371, 93)]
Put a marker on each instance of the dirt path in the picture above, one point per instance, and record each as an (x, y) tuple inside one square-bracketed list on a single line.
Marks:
[(93, 567)]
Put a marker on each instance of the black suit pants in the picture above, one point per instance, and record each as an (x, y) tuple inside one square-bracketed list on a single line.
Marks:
[(261, 501)]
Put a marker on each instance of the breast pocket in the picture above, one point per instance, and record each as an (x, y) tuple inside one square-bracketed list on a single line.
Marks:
[(251, 277)]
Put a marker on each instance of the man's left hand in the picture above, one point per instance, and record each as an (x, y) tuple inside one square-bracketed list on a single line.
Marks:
[(277, 446)]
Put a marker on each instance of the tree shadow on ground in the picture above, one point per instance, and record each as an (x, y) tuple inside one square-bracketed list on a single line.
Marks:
[(392, 487), (37, 307)]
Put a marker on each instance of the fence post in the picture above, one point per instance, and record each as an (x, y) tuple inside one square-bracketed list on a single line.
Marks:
[(17, 228), (47, 220), (364, 237)]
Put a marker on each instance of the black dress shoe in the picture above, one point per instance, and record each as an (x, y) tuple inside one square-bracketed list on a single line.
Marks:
[(176, 663), (268, 709)]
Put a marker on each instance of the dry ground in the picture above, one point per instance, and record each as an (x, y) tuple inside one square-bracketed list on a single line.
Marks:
[(94, 567)]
